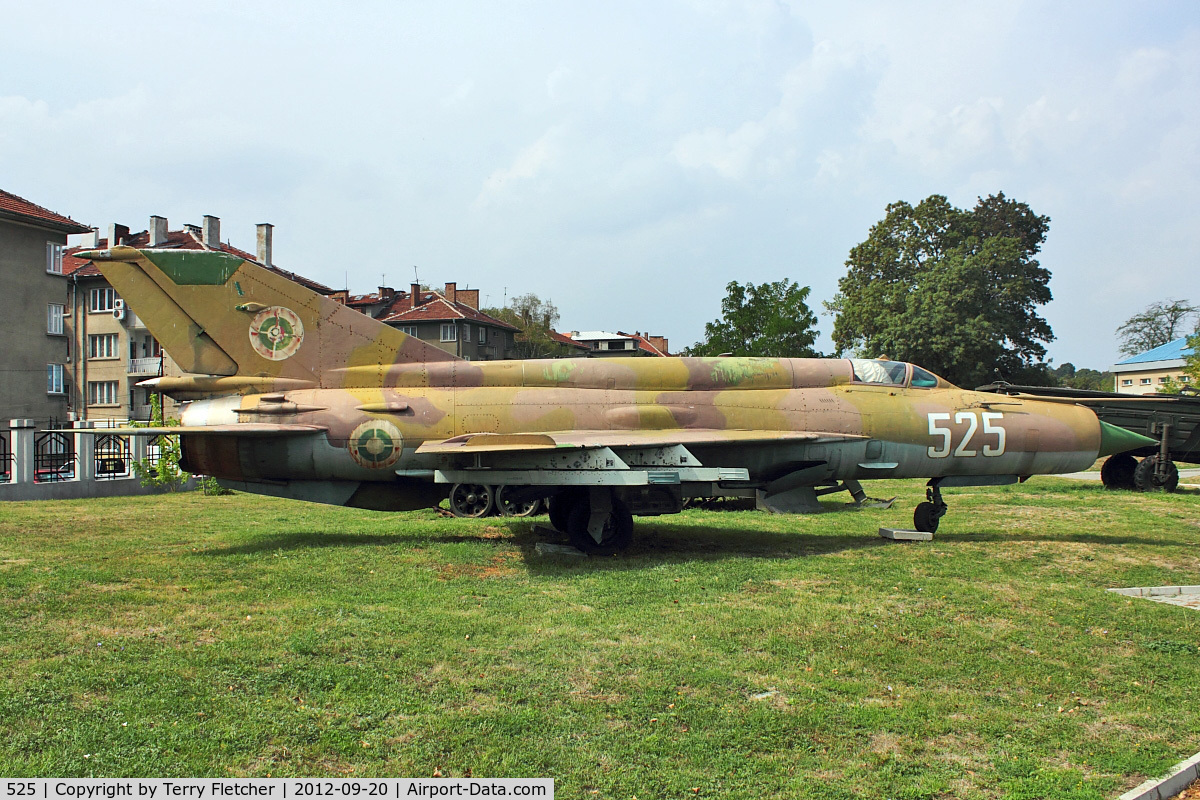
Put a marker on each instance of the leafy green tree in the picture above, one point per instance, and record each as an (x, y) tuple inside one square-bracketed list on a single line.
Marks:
[(165, 471), (952, 290), (770, 319), (534, 318), (1191, 365), (1068, 376), (1156, 325)]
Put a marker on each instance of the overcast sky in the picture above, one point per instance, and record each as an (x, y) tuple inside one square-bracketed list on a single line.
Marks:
[(623, 159)]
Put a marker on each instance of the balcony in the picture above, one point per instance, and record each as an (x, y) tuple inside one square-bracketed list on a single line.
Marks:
[(145, 366)]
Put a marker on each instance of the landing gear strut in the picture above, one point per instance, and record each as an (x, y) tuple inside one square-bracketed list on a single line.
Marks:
[(929, 513), (595, 520)]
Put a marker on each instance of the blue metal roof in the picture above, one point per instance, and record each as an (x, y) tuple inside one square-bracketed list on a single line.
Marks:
[(1171, 351)]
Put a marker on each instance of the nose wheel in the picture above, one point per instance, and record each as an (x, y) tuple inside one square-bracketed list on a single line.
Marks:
[(929, 513)]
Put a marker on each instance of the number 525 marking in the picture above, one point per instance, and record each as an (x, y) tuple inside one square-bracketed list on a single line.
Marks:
[(972, 421)]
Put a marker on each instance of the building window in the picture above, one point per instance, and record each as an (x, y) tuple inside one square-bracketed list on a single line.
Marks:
[(411, 330), (102, 300), (1144, 381), (482, 335), (1184, 378), (54, 253), (102, 393), (54, 379), (466, 332), (103, 345), (1162, 379), (449, 332), (54, 318), (1127, 382)]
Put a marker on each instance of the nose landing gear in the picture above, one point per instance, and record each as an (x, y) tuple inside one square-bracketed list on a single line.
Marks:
[(929, 513)]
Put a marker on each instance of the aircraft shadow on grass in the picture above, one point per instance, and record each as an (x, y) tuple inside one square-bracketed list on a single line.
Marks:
[(668, 542)]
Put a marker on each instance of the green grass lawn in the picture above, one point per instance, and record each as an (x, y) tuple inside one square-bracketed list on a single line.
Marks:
[(740, 654)]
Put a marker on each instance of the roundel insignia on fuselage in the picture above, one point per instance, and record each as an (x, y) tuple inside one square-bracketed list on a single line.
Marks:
[(375, 444), (276, 333)]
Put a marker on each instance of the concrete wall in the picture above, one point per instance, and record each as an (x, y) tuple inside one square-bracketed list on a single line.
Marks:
[(19, 481), (26, 288)]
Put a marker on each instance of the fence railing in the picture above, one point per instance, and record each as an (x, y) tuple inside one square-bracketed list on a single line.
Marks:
[(53, 457), (62, 464), (6, 458), (145, 366), (112, 455)]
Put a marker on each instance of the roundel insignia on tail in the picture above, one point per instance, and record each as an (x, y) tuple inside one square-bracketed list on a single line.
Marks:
[(375, 444), (276, 333)]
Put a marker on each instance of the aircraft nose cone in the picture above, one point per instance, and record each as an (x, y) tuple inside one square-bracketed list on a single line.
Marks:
[(1118, 440)]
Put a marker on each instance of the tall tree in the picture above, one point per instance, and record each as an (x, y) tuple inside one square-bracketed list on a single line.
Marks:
[(955, 291), (1157, 324), (534, 318), (768, 319)]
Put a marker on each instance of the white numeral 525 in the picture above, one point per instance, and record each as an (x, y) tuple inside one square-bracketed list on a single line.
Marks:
[(972, 421)]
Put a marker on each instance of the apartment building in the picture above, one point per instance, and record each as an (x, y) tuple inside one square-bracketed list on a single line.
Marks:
[(36, 356)]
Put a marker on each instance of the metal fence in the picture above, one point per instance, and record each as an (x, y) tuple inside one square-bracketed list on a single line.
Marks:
[(6, 457), (53, 457), (112, 456)]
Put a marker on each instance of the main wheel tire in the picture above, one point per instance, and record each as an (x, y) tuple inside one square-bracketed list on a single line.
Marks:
[(561, 505), (926, 518), (1117, 471), (510, 508), (471, 500), (1146, 481), (617, 533)]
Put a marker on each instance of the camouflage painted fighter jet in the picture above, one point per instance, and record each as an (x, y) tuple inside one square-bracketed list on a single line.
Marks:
[(295, 395)]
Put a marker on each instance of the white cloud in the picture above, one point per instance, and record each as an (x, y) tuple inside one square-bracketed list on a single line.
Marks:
[(530, 163)]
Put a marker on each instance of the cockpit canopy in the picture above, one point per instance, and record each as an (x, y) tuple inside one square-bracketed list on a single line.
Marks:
[(893, 373)]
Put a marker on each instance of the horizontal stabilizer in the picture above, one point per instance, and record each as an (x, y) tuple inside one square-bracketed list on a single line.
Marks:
[(254, 429), (501, 442)]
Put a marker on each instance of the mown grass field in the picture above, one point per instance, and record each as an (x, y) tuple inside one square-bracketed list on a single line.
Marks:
[(728, 654)]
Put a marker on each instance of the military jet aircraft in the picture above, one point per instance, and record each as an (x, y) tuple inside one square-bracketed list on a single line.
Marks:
[(295, 395)]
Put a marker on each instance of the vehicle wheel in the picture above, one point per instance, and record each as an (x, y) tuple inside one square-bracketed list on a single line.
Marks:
[(618, 529), (1117, 472), (560, 508), (1145, 480), (509, 508), (926, 518), (471, 500)]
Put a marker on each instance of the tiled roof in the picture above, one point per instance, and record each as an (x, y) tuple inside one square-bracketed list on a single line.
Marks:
[(434, 307), (567, 340), (1171, 351), (186, 239), (22, 210), (644, 344)]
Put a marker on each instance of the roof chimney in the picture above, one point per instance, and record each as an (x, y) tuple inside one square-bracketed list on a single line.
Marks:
[(416, 294), (265, 234), (386, 293), (452, 292), (158, 230), (211, 231), (90, 240), (117, 234)]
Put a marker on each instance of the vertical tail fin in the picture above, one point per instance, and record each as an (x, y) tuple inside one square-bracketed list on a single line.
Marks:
[(219, 314)]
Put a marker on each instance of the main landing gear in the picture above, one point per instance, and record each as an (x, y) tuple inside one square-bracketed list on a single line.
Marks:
[(595, 520)]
